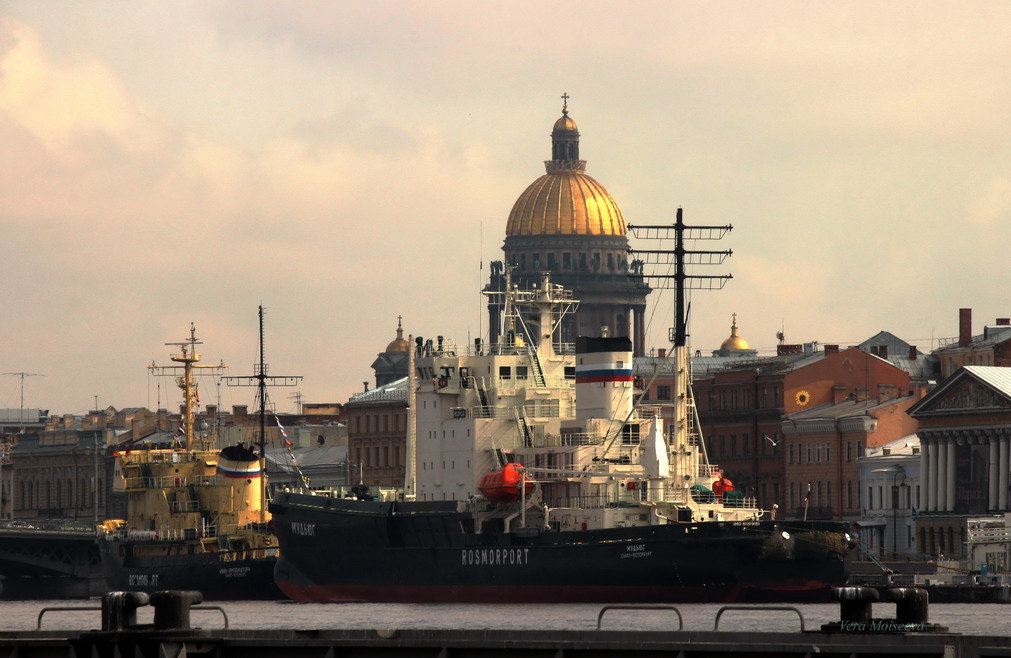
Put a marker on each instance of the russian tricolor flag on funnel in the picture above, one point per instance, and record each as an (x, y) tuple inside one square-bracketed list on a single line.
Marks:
[(602, 372), (238, 462)]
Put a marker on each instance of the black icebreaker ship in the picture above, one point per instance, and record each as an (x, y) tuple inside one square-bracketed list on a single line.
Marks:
[(531, 478)]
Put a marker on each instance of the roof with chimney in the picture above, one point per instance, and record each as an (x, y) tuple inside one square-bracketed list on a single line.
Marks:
[(992, 335)]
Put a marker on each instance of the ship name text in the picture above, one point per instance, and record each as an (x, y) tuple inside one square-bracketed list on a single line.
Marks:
[(303, 529), (143, 580), (494, 556), (635, 551)]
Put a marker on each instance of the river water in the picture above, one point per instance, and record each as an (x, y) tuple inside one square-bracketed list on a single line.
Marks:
[(976, 619)]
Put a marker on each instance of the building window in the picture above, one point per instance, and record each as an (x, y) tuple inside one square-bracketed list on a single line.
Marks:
[(791, 454), (828, 451), (745, 445), (505, 372), (521, 372), (849, 451), (663, 393), (810, 453), (849, 494), (566, 261), (817, 451)]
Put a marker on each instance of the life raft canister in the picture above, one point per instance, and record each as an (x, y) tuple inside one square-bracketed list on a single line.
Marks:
[(722, 486), (503, 485)]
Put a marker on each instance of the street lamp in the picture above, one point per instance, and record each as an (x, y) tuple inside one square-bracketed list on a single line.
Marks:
[(897, 472)]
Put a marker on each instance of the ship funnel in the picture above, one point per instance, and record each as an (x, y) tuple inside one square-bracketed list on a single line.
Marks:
[(603, 378)]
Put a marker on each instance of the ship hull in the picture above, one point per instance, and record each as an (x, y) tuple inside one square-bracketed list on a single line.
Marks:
[(338, 550), (219, 576)]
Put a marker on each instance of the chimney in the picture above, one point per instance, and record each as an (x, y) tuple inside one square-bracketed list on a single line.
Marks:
[(964, 326), (661, 352), (831, 349), (886, 392), (912, 353), (860, 394), (1003, 322)]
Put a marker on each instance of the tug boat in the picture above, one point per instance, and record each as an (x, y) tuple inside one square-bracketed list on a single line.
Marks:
[(532, 477), (195, 515)]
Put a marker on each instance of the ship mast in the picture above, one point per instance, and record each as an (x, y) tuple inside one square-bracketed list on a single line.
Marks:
[(679, 258), (261, 380), (189, 358)]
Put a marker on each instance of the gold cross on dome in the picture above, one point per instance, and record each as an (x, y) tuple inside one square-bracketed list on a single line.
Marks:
[(565, 103)]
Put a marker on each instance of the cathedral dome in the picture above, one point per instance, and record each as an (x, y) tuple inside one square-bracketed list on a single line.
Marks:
[(565, 201)]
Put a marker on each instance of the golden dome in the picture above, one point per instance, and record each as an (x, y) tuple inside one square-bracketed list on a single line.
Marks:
[(565, 122), (565, 203), (398, 344), (735, 342)]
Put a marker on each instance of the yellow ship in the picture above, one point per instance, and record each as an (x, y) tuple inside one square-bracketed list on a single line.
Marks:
[(196, 516)]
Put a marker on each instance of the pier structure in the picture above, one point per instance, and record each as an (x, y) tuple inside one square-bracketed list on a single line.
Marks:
[(857, 633)]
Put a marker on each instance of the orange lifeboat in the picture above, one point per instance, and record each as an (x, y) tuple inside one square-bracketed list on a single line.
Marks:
[(503, 485), (722, 486)]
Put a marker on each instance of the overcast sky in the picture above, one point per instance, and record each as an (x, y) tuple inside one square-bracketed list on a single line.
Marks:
[(344, 163)]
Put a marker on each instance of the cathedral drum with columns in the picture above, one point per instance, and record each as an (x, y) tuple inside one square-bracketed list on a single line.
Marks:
[(568, 224)]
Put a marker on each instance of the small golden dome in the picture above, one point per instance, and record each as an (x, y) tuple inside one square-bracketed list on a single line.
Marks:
[(565, 122), (735, 342), (398, 344), (565, 203)]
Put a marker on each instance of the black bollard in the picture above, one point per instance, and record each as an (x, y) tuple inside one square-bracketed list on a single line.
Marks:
[(855, 603), (172, 608), (910, 604), (119, 609)]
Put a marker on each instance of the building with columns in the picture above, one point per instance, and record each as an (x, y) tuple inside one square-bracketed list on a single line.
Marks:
[(965, 435), (568, 224)]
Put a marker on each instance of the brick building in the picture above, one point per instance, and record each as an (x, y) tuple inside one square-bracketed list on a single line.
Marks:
[(377, 434), (741, 407), (821, 447)]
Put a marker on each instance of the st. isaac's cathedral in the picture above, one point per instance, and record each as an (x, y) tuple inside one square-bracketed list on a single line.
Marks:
[(567, 223)]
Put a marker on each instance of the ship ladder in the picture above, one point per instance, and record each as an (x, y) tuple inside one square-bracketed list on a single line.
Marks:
[(695, 426), (535, 365), (524, 428)]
